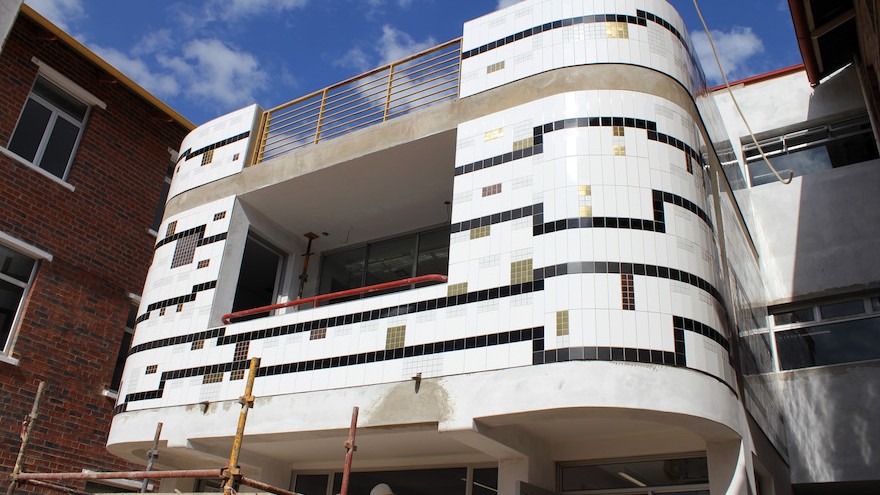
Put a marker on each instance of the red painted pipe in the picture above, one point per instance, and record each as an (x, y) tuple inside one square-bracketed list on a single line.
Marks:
[(334, 295)]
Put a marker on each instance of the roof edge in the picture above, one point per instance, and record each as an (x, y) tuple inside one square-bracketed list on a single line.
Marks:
[(761, 77), (104, 65)]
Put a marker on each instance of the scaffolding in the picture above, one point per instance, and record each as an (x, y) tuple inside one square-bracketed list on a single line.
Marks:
[(231, 473)]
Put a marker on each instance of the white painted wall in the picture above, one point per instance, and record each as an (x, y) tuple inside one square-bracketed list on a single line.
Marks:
[(8, 14)]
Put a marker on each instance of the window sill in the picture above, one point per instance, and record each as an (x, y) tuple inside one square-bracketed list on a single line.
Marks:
[(110, 394), (153, 233), (37, 169), (9, 360)]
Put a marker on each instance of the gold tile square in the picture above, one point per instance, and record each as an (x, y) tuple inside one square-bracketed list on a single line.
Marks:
[(395, 337), (620, 151), (523, 143), (585, 190), (617, 130), (561, 323), (585, 211), (617, 29), (456, 289), (493, 134), (208, 157), (495, 67), (521, 272), (212, 378), (483, 231)]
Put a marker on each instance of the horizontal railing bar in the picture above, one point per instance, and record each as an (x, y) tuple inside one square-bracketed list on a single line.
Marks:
[(366, 74), (327, 297), (351, 116), (351, 128), (443, 78), (408, 109), (108, 475), (411, 98), (415, 68)]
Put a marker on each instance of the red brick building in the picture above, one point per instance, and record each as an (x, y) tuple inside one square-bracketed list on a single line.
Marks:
[(84, 154)]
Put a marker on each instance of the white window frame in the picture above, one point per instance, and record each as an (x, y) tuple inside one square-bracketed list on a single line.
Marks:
[(38, 255), (73, 90)]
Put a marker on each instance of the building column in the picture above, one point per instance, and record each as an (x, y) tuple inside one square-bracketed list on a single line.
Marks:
[(730, 472)]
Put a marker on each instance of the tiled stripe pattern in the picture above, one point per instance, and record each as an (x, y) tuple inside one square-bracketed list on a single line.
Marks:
[(540, 355), (180, 339), (535, 335), (177, 300), (200, 230), (640, 19), (537, 210), (614, 267), (190, 154), (574, 123)]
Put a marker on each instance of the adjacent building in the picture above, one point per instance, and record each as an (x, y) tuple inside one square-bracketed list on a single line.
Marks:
[(84, 156), (547, 259)]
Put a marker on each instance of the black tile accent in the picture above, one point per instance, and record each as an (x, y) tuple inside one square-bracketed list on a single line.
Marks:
[(681, 323), (615, 268), (174, 301), (539, 131), (604, 353), (678, 334), (513, 336), (514, 214), (369, 315), (190, 154), (640, 19)]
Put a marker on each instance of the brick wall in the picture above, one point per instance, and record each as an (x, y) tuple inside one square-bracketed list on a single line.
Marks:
[(72, 324)]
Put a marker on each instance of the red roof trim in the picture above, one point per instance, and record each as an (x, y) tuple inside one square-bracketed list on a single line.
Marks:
[(762, 77)]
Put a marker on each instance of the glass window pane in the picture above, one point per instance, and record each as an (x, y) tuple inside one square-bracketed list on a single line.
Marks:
[(433, 253), (342, 271), (668, 472), (854, 149), (311, 484), (800, 162), (15, 264), (30, 129), (837, 343), (794, 316), (160, 209), (875, 303), (59, 148), (10, 298), (413, 482), (486, 481), (61, 99), (391, 260), (836, 310)]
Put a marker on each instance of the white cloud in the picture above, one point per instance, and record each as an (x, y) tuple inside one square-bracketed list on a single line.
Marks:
[(60, 12), (211, 71), (396, 44), (237, 8), (355, 58), (162, 85), (735, 49), (506, 3), (154, 42)]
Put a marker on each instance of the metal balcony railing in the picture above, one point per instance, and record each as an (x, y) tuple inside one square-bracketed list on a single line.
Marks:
[(420, 80), (314, 300)]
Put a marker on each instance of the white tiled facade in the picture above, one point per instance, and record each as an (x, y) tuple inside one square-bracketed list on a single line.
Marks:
[(584, 228)]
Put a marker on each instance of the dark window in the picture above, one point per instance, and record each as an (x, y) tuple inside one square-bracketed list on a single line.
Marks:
[(386, 261), (835, 343), (794, 316), (634, 474), (311, 484), (412, 482), (16, 272), (841, 309), (258, 278), (49, 128), (160, 209)]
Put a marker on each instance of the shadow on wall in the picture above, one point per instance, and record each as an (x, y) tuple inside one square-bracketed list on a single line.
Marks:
[(833, 414)]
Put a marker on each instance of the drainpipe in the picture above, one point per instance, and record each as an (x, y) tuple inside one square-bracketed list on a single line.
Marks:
[(805, 41)]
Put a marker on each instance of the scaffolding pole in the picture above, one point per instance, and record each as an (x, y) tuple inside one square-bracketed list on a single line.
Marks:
[(233, 472), (151, 456), (27, 427), (350, 447)]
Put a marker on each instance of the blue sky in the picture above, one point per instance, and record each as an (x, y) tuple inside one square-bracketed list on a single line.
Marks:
[(206, 58)]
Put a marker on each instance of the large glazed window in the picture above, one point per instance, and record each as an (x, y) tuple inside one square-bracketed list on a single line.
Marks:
[(399, 258), (807, 151), (16, 274), (49, 128), (835, 332)]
